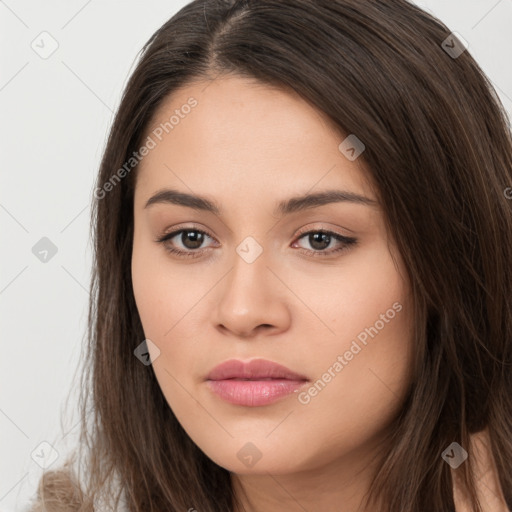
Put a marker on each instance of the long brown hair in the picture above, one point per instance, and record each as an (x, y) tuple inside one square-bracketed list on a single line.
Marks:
[(439, 150)]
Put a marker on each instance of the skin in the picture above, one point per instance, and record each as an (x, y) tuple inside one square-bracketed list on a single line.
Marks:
[(488, 487), (248, 146)]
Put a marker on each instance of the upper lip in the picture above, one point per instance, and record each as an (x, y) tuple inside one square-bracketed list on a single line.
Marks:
[(254, 370)]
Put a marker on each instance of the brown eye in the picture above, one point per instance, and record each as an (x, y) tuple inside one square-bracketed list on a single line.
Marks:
[(185, 242), (192, 239), (320, 240)]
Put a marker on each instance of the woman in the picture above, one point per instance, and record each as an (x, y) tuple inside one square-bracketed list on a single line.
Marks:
[(301, 296)]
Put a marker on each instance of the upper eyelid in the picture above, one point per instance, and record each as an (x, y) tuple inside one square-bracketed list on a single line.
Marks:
[(301, 232), (178, 230), (192, 226)]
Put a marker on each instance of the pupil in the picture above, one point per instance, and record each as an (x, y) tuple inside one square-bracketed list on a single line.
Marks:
[(321, 238), (195, 236)]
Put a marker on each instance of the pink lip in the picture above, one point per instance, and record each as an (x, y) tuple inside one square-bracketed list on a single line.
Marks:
[(254, 383)]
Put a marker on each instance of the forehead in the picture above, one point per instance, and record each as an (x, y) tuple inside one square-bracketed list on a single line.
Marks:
[(238, 131)]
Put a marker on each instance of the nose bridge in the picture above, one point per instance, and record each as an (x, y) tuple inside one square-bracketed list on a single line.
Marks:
[(248, 278), (250, 296)]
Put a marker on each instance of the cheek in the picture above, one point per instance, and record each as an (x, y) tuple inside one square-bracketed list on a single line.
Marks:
[(352, 297), (165, 299), (365, 357), (163, 292), (170, 300)]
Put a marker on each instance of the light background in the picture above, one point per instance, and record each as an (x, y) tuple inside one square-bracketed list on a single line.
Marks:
[(55, 114)]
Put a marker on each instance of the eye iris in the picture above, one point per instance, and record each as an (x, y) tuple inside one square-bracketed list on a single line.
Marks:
[(323, 239), (196, 237)]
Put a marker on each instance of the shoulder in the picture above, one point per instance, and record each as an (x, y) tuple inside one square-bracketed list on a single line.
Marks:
[(488, 485)]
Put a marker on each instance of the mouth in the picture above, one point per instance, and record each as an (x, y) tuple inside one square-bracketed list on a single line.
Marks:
[(253, 379), (255, 369), (254, 383), (254, 393)]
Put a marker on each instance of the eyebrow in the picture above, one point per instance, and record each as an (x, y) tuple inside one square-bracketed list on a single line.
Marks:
[(291, 205)]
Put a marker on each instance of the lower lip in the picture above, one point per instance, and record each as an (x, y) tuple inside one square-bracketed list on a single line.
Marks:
[(253, 393)]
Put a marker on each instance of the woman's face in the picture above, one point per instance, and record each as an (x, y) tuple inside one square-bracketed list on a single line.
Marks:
[(261, 281)]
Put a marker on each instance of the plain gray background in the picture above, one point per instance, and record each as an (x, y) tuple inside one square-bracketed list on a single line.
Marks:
[(56, 112)]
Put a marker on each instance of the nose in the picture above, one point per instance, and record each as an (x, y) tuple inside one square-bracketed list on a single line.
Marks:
[(252, 300)]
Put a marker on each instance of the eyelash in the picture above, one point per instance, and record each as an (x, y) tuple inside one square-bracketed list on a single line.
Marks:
[(347, 242)]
